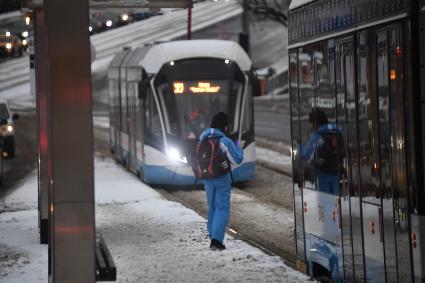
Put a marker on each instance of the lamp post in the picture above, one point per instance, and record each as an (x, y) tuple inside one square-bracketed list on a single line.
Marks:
[(189, 23)]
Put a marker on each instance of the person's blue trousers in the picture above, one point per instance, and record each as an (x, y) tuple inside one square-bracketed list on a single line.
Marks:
[(218, 197)]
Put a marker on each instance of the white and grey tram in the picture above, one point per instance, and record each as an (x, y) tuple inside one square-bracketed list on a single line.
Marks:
[(161, 98), (361, 63)]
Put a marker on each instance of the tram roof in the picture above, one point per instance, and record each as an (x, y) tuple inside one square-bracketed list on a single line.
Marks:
[(118, 58), (298, 3), (163, 53)]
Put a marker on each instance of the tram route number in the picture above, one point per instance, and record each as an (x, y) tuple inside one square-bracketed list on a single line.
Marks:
[(321, 213)]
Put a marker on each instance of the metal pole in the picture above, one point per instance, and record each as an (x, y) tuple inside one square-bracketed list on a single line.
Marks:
[(244, 36), (44, 172), (189, 23), (71, 198), (245, 17), (1, 160)]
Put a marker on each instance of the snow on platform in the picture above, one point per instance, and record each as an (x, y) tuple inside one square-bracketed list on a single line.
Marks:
[(151, 239)]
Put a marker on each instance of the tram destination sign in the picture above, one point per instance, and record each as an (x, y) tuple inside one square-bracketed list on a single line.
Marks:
[(323, 17)]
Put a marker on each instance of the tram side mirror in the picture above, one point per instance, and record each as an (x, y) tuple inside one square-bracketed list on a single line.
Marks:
[(143, 88)]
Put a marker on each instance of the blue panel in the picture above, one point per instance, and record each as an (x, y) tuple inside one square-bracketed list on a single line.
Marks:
[(163, 175), (245, 172)]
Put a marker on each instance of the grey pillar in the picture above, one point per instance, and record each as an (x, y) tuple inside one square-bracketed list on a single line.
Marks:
[(71, 199), (244, 38), (44, 174)]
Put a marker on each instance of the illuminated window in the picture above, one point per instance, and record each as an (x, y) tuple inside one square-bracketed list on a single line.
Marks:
[(393, 75)]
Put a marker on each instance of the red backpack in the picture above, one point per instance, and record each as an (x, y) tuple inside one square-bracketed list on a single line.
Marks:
[(209, 161)]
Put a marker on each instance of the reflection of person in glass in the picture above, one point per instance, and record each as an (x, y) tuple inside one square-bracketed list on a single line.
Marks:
[(324, 151)]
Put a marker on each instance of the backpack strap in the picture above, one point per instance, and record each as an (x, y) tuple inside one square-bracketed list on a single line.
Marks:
[(210, 165), (228, 163)]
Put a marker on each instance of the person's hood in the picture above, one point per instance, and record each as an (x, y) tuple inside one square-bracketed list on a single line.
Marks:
[(211, 133), (328, 129)]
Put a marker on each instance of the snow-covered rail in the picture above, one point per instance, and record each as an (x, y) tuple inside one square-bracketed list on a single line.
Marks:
[(166, 27)]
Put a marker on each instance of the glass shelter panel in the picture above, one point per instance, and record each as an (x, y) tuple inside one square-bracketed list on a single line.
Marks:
[(369, 87), (348, 173), (368, 128), (320, 151), (307, 103), (385, 154)]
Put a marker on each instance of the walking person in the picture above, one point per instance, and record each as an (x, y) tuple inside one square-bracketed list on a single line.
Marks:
[(215, 174)]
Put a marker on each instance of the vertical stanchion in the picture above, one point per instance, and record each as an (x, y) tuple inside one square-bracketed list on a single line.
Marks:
[(244, 40), (39, 59), (1, 160), (71, 198), (189, 23)]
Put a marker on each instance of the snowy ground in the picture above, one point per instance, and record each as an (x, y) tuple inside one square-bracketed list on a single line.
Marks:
[(151, 239)]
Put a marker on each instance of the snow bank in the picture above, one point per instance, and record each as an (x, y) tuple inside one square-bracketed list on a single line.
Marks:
[(151, 239)]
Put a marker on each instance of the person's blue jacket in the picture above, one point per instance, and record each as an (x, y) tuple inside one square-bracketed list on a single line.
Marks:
[(233, 152)]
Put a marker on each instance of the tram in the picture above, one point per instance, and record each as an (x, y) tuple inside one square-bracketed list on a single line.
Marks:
[(161, 98), (360, 63)]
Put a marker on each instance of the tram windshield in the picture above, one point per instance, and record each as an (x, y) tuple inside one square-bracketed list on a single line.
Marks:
[(193, 91)]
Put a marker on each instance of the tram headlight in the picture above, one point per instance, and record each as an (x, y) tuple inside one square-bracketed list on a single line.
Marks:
[(175, 155)]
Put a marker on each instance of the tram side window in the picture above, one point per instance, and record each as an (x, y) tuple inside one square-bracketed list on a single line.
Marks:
[(113, 102), (247, 119), (124, 106), (152, 120)]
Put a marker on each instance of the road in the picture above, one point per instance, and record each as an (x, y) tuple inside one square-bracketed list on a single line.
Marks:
[(272, 125), (16, 169)]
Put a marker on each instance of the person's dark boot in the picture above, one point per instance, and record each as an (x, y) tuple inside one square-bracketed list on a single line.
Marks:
[(216, 245)]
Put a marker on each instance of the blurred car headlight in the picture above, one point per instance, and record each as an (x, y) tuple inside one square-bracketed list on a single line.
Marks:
[(7, 33), (8, 46), (9, 128), (124, 17), (25, 34), (109, 23), (24, 42)]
